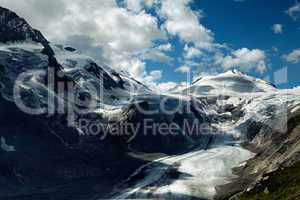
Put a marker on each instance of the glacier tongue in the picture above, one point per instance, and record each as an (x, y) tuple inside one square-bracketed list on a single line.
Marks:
[(207, 169)]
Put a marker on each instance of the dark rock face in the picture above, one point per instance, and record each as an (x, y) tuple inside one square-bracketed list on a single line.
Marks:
[(98, 72), (48, 151), (150, 118), (70, 49), (14, 28), (54, 158)]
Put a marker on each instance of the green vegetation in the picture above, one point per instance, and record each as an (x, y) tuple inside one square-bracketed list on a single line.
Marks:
[(281, 185)]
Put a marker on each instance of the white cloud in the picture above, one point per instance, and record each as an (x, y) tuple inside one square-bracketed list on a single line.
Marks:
[(277, 28), (126, 37), (117, 32), (37, 13), (183, 69), (134, 5), (294, 11), (150, 3), (245, 59), (157, 54), (152, 81), (293, 57), (153, 76), (137, 69), (166, 87), (191, 52), (134, 66), (165, 47), (138, 5), (182, 21)]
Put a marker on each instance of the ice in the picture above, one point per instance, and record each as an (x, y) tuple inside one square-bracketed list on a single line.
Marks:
[(207, 169), (202, 172)]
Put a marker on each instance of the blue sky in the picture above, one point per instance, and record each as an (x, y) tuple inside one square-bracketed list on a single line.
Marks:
[(249, 24), (158, 42)]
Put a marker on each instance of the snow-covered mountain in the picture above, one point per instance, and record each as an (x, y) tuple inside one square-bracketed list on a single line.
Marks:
[(49, 155), (229, 83)]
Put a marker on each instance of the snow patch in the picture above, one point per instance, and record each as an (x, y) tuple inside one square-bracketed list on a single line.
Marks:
[(230, 83)]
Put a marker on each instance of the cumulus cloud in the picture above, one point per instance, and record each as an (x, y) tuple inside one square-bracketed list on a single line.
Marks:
[(245, 59), (183, 69), (166, 86), (158, 53), (157, 56), (138, 5), (102, 28), (38, 13), (191, 52), (277, 28), (126, 35), (165, 47), (183, 22), (134, 66), (293, 57), (153, 76), (294, 11), (134, 5)]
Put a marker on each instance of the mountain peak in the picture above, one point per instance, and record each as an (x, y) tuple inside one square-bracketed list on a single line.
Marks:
[(15, 29), (232, 81)]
